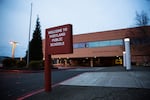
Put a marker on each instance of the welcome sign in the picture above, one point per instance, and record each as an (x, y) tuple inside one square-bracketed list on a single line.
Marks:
[(59, 39)]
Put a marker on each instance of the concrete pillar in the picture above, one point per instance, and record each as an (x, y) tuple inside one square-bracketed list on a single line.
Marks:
[(128, 55), (57, 61), (66, 63), (91, 62), (124, 59)]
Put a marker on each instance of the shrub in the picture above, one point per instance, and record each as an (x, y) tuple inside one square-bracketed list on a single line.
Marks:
[(36, 65), (21, 64), (9, 62)]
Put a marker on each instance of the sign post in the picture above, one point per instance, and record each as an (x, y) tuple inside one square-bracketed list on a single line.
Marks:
[(58, 40), (47, 70)]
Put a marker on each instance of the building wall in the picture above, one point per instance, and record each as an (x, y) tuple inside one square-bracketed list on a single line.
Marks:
[(93, 52), (97, 36), (137, 55)]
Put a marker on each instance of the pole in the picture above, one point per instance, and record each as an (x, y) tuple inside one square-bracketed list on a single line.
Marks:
[(47, 70), (29, 36), (13, 48), (48, 64), (128, 55)]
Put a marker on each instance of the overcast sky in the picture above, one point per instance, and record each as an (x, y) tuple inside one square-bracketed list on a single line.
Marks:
[(85, 16)]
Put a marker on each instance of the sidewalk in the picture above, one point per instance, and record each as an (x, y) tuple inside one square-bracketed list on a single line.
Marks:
[(107, 83)]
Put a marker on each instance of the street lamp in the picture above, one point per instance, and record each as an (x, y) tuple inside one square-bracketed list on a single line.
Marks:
[(13, 43)]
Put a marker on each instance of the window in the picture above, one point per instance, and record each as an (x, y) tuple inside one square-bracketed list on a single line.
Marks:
[(79, 45), (98, 44), (116, 42), (104, 43), (93, 44)]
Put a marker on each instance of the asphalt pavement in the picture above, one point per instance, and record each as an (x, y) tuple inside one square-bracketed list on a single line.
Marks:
[(17, 83), (102, 83)]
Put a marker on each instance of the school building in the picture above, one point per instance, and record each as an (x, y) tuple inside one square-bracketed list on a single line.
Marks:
[(106, 48)]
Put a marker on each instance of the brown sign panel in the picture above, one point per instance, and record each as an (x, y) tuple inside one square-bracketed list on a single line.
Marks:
[(59, 40)]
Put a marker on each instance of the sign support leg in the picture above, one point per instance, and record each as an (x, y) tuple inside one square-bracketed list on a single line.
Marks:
[(47, 70)]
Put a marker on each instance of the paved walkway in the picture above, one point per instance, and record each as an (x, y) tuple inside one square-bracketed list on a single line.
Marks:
[(112, 79), (113, 83)]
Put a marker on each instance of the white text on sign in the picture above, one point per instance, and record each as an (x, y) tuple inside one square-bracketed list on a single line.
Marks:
[(57, 36)]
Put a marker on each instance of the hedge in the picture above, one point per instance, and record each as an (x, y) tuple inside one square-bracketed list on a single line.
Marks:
[(36, 65)]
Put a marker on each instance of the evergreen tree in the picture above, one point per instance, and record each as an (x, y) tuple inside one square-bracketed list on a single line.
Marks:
[(35, 49)]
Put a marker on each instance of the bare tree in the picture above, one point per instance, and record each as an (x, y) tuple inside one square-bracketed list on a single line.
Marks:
[(141, 19), (140, 36)]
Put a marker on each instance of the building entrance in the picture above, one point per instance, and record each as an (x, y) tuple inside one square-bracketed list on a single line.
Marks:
[(89, 61)]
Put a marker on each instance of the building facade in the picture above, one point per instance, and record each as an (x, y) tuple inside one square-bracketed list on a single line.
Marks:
[(106, 48)]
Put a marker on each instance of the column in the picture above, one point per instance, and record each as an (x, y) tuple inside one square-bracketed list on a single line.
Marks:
[(124, 59), (91, 62), (128, 55)]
